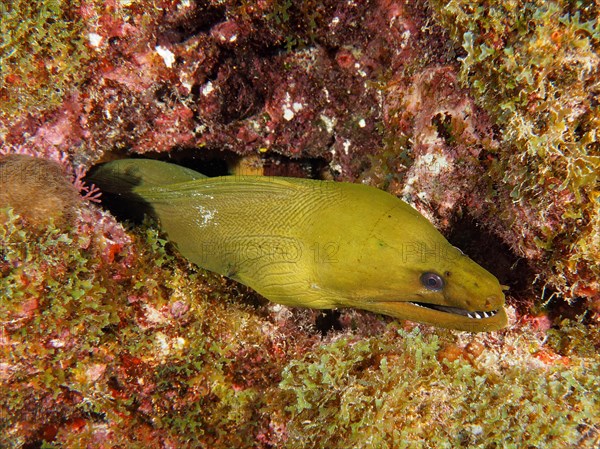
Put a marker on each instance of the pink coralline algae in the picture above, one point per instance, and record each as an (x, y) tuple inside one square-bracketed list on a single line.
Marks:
[(190, 78)]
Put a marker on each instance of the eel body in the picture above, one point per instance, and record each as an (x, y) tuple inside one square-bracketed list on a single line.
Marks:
[(308, 243)]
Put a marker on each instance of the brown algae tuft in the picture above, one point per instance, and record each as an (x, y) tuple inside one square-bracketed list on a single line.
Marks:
[(38, 190)]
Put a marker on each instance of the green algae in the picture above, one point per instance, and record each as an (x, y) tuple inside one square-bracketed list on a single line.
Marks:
[(115, 343), (393, 391), (298, 19), (534, 67), (146, 351), (42, 53)]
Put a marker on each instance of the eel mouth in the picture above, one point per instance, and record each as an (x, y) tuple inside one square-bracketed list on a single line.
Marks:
[(476, 315), (443, 316)]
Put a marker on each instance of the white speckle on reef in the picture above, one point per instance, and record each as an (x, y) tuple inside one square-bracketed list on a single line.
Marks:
[(337, 168), (288, 114), (94, 39), (362, 123), (476, 430), (187, 85), (433, 163), (360, 71), (289, 108), (423, 196), (179, 343), (280, 313), (166, 54), (152, 315), (329, 123), (95, 372), (161, 343), (57, 343), (164, 345), (207, 88), (346, 146), (405, 37)]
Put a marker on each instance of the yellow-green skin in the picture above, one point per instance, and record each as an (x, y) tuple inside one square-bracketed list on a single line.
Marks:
[(316, 244)]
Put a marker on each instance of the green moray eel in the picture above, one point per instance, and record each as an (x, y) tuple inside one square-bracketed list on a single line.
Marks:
[(308, 243)]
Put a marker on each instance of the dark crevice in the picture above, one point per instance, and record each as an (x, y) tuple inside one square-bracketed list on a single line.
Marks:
[(328, 320), (37, 444), (559, 309), (214, 162), (515, 272), (443, 125), (495, 256)]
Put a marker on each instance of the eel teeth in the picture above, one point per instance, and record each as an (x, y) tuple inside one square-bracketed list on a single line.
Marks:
[(480, 315)]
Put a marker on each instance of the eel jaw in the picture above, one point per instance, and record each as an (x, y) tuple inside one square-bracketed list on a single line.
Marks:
[(478, 315), (442, 316)]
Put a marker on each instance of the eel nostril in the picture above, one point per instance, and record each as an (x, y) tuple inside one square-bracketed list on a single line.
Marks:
[(492, 301)]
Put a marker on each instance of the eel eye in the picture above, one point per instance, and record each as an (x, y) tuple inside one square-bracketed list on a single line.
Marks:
[(432, 281)]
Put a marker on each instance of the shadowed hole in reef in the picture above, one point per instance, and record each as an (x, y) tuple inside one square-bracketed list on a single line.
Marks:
[(214, 162), (576, 309), (328, 320), (527, 294), (37, 444)]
